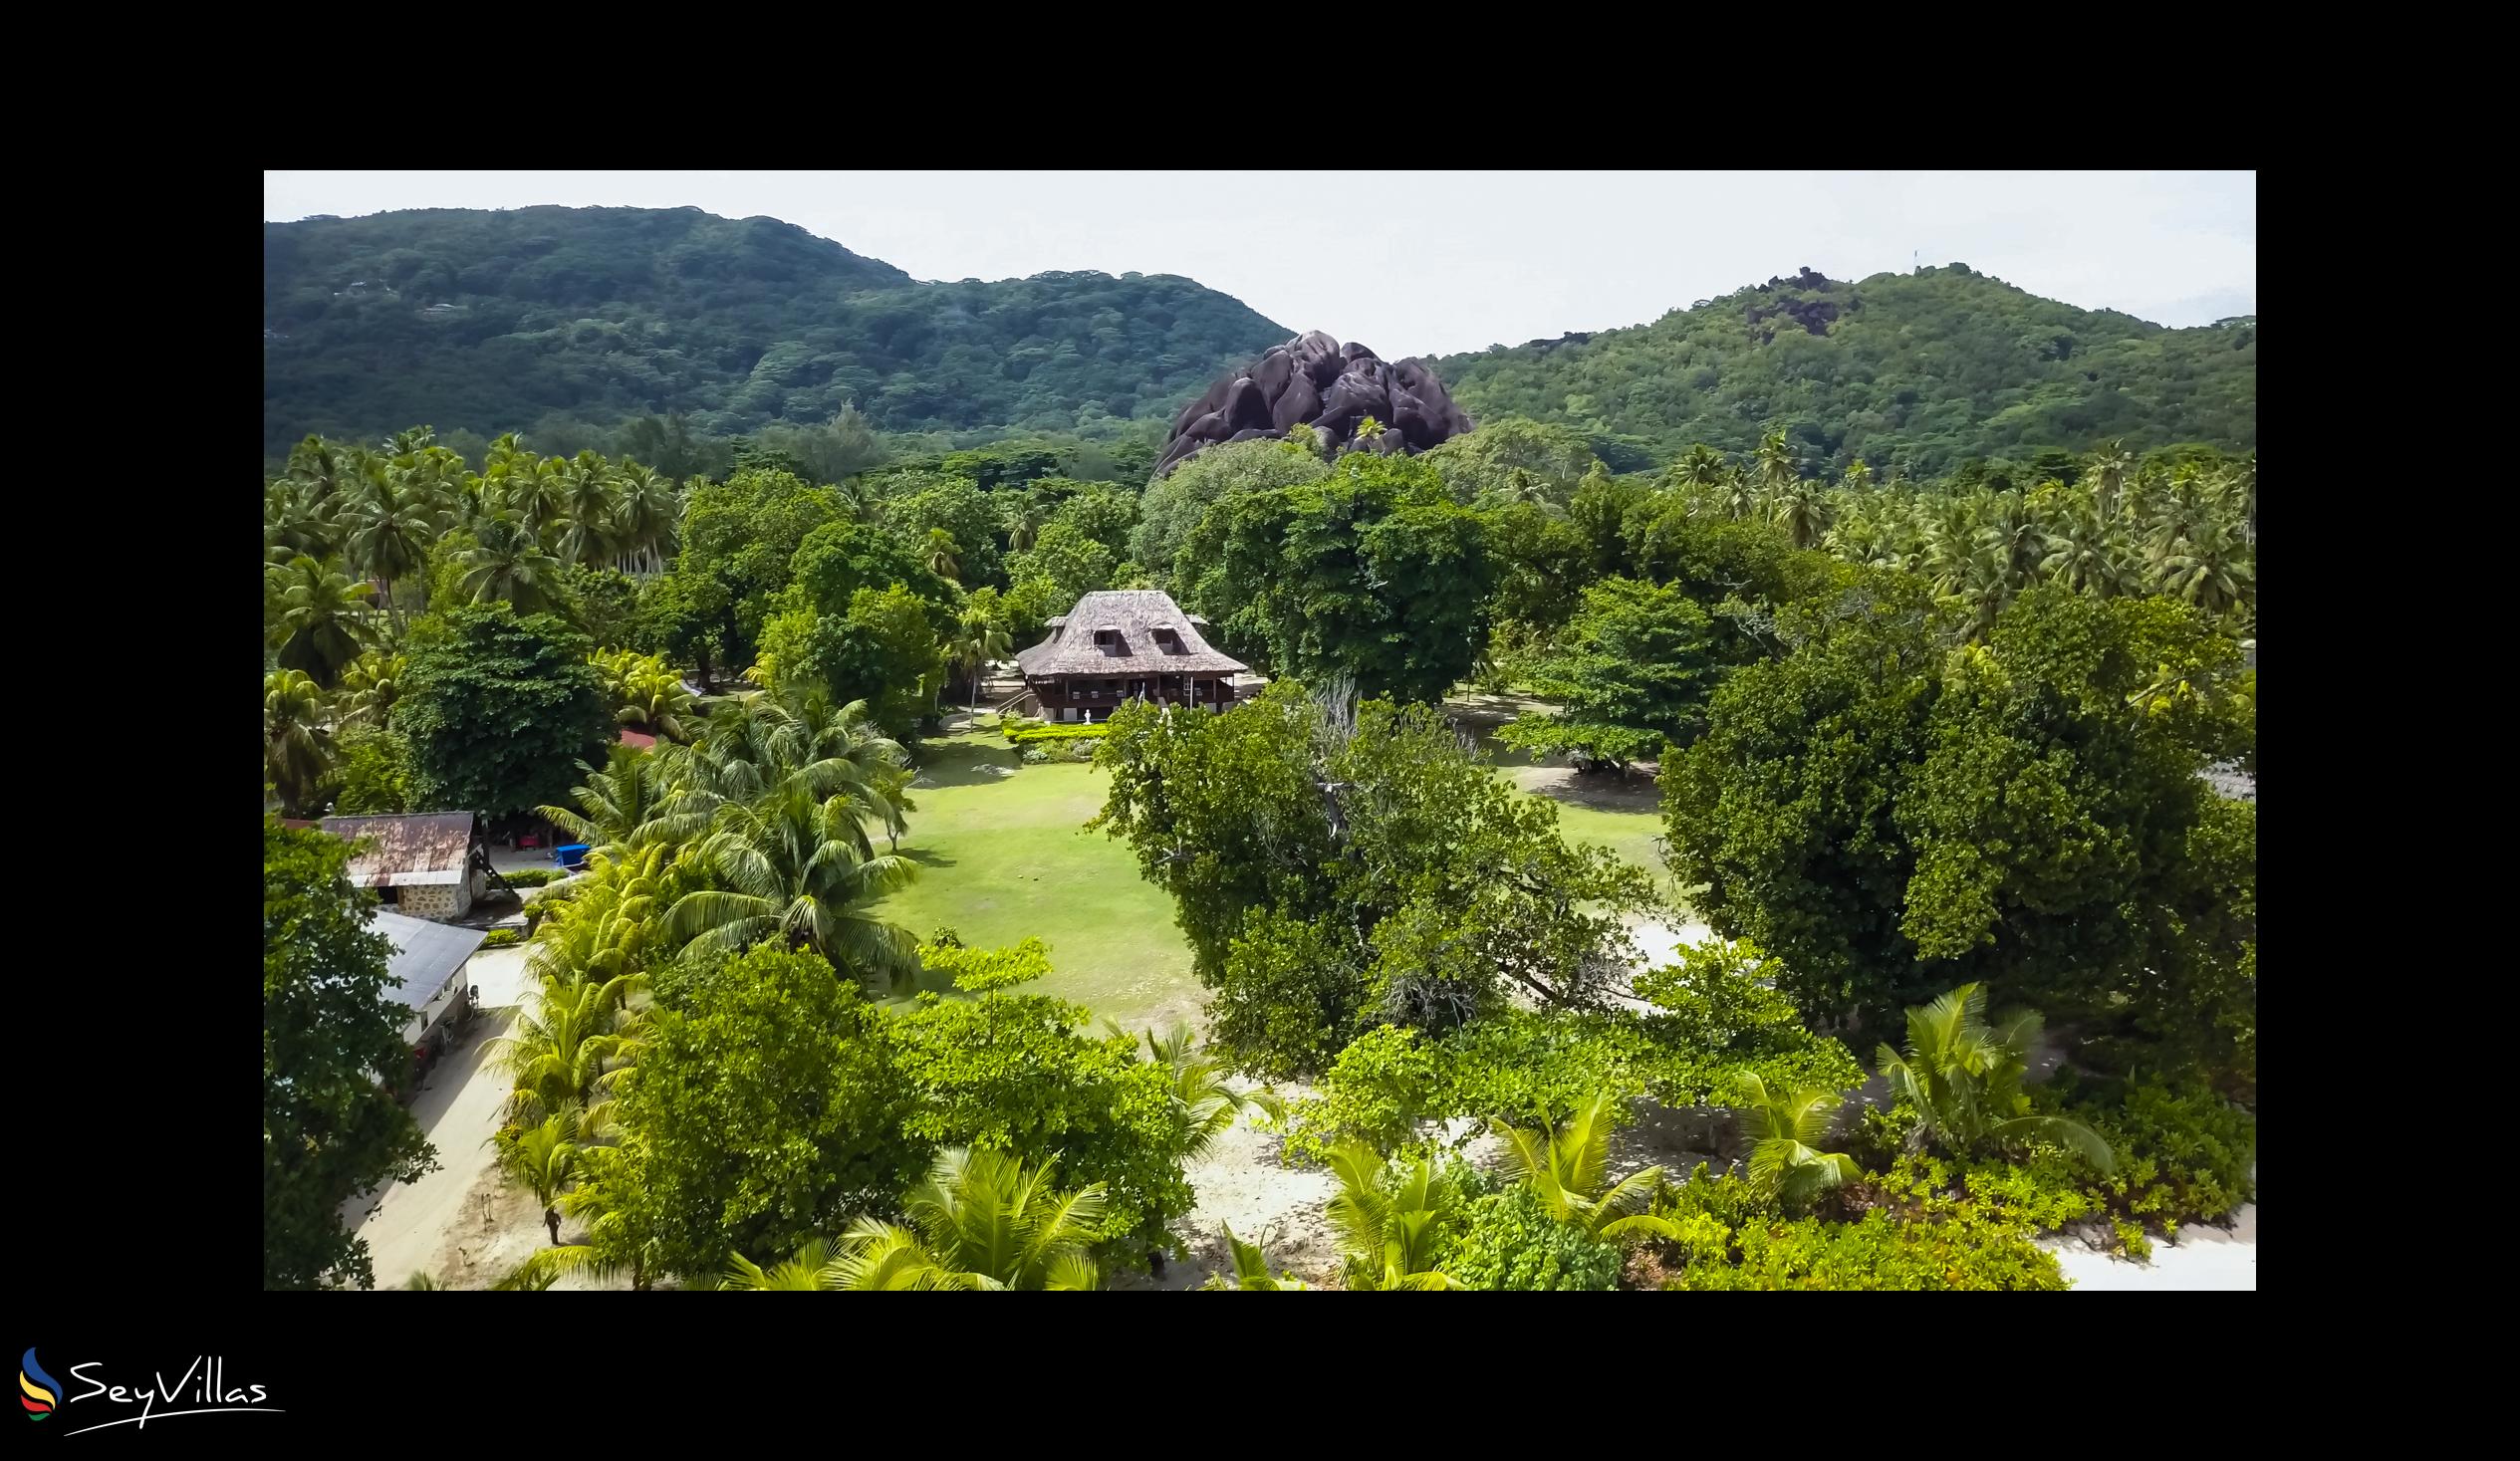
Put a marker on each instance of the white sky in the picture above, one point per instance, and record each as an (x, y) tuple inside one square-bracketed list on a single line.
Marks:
[(1433, 263)]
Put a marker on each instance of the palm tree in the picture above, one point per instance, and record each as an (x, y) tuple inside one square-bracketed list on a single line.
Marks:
[(1799, 507), (940, 555), (1568, 1167), (507, 562), (813, 1267), (795, 865), (297, 749), (323, 625), (542, 1159), (1389, 1238), (1024, 519), (1788, 1130), (586, 503), (392, 520), (982, 1220), (320, 467), (571, 1044), (1251, 1269), (891, 790), (1964, 1078), (1775, 463), (645, 519), (1207, 1105), (627, 805), (2204, 566), (371, 686), (978, 638), (2086, 552), (1702, 470), (606, 926), (645, 691), (296, 521), (2105, 470)]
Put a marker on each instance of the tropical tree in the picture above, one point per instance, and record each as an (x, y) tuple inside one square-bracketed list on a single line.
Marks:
[(1207, 1104), (542, 1159), (297, 748), (643, 517), (391, 518), (982, 1220), (1391, 1225), (940, 555), (322, 622), (1963, 1077), (586, 503), (608, 924), (978, 638), (570, 1043), (1786, 1129), (507, 561), (1250, 1270), (813, 1267), (796, 867), (627, 804), (1568, 1166), (645, 693), (369, 687)]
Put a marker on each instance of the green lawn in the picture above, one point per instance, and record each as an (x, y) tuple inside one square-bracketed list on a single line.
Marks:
[(1003, 856)]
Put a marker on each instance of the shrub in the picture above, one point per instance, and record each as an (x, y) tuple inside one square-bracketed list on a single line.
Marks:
[(1034, 733), (1514, 1243), (533, 876), (500, 938), (1033, 755), (1874, 1252)]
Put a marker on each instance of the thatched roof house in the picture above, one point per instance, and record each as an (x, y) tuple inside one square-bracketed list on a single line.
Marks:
[(1125, 644)]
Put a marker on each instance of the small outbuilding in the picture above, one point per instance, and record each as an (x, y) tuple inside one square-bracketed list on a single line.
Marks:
[(428, 864), (428, 972)]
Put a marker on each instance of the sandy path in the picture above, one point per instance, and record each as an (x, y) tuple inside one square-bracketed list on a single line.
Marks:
[(2203, 1258), (459, 1109)]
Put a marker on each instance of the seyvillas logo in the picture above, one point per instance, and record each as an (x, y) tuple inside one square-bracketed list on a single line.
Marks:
[(203, 1388), (41, 1392)]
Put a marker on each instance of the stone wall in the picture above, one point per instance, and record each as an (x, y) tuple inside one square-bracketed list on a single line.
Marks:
[(435, 901)]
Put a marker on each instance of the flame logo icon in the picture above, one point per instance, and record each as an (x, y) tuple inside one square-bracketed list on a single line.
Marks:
[(42, 1392)]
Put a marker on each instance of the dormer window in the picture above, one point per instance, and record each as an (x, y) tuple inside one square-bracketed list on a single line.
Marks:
[(1106, 639), (1168, 639)]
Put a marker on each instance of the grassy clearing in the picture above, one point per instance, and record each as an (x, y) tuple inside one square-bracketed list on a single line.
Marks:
[(1003, 857)]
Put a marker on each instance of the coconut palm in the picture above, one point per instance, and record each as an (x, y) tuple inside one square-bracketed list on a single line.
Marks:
[(391, 518), (296, 521), (371, 686), (2106, 472), (891, 790), (323, 622), (643, 520), (2205, 566), (1569, 1167), (507, 561), (1207, 1105), (982, 1220), (1250, 1271), (320, 467), (645, 693), (1963, 1077), (585, 503), (1787, 1129), (942, 555), (812, 1269), (1389, 1237), (570, 1043), (1704, 469), (2086, 552), (297, 749), (1024, 518), (627, 805), (1799, 507), (606, 925), (978, 638), (1775, 463), (795, 865), (542, 1159)]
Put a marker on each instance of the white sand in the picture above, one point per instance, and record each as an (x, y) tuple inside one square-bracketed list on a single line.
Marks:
[(2203, 1258)]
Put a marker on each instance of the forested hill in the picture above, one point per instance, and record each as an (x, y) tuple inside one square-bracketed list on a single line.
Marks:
[(1909, 371), (490, 321)]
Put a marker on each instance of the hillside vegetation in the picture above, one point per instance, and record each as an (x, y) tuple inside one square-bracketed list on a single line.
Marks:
[(480, 320), (1913, 372)]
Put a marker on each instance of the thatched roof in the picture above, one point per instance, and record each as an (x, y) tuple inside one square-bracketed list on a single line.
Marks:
[(421, 850), (1132, 646)]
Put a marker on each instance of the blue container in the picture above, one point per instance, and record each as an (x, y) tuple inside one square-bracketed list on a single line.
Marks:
[(572, 857)]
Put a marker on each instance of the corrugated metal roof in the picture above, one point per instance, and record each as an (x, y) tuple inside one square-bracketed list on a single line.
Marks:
[(425, 955), (415, 850)]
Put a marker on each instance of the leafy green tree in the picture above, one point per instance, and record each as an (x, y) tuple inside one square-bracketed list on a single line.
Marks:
[(499, 709), (1633, 668), (1100, 512), (982, 1220), (1374, 574), (1173, 508), (742, 537), (761, 1113), (1515, 460), (331, 1131), (373, 772), (1063, 554), (957, 507), (839, 559), (1963, 1078), (1516, 1243), (322, 624)]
